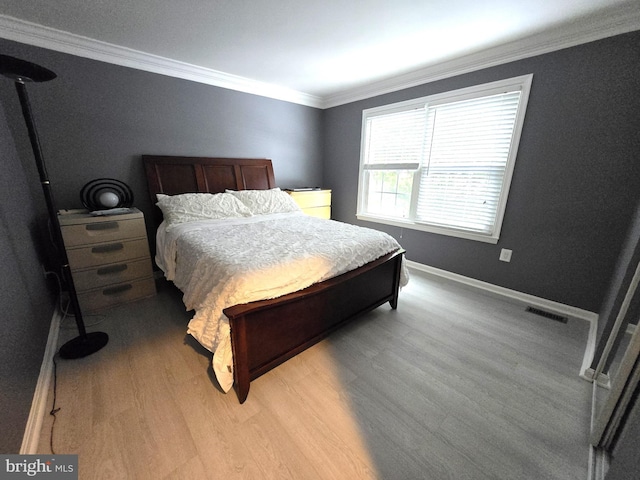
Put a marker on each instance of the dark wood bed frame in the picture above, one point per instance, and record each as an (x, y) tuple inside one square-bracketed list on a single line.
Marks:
[(266, 333)]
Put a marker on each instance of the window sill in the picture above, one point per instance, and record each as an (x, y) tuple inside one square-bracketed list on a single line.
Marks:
[(431, 229)]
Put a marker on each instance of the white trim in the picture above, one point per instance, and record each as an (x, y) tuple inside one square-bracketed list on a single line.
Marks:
[(598, 463), (423, 106), (38, 410), (549, 305), (631, 329), (527, 299), (589, 374), (618, 322), (451, 232), (627, 378), (586, 371), (598, 457), (58, 40), (603, 379), (619, 20)]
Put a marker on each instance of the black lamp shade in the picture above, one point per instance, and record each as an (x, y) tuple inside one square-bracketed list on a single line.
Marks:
[(23, 71)]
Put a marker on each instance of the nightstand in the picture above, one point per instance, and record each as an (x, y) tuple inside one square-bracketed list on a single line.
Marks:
[(316, 203), (108, 256)]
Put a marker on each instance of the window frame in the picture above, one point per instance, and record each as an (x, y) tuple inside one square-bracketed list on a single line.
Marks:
[(523, 83)]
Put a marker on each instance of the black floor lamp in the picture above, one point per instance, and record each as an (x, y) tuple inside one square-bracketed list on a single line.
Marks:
[(21, 72)]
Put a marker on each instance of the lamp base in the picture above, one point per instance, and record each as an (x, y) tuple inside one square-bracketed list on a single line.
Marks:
[(82, 346)]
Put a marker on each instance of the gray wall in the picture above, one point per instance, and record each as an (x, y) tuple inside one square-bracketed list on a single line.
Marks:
[(95, 120), (576, 181), (25, 302)]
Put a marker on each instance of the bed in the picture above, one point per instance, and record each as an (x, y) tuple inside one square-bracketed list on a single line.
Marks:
[(251, 331)]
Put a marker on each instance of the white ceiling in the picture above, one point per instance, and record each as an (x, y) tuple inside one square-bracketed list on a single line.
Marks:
[(319, 53)]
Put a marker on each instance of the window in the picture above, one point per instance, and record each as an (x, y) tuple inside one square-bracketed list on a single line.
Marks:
[(443, 163)]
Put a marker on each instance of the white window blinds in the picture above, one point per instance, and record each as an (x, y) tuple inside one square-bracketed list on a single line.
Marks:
[(395, 140), (467, 151), (443, 163)]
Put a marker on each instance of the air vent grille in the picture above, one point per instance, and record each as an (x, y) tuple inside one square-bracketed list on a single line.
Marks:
[(544, 313)]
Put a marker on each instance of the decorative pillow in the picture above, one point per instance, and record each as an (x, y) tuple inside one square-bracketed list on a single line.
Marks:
[(261, 202), (192, 207)]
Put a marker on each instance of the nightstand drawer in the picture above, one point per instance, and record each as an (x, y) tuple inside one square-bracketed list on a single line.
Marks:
[(100, 232), (316, 203), (105, 253), (112, 273), (320, 212), (101, 298), (312, 198)]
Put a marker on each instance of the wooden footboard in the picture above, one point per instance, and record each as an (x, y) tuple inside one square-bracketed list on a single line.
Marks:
[(266, 333)]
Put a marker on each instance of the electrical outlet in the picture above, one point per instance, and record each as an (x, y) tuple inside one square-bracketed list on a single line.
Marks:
[(505, 255)]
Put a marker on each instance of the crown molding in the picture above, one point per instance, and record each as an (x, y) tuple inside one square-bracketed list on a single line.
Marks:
[(621, 20), (40, 36)]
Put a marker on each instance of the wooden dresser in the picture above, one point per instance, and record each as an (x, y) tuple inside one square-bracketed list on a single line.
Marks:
[(108, 256), (313, 202)]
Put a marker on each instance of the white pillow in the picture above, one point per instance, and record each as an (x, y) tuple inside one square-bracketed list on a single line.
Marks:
[(261, 202), (193, 207)]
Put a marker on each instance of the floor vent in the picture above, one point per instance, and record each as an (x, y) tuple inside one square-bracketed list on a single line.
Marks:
[(544, 313)]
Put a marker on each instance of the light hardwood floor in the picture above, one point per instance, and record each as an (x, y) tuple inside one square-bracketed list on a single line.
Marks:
[(455, 384)]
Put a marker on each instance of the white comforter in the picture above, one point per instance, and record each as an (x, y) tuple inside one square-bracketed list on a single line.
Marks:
[(220, 263)]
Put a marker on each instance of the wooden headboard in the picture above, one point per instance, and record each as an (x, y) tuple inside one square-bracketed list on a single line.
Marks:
[(174, 175)]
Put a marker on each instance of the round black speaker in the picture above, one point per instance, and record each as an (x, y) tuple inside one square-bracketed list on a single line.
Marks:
[(106, 193)]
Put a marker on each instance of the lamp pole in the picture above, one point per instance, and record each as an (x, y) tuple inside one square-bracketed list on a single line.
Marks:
[(21, 71)]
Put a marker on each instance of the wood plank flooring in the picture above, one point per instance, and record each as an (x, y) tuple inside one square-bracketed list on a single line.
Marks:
[(455, 384)]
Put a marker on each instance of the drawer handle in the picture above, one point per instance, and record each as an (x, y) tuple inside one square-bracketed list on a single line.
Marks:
[(117, 289), (111, 269), (102, 226), (112, 247)]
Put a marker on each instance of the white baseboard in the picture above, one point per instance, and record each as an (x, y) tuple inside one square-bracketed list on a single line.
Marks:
[(598, 457), (586, 371), (603, 379), (38, 410), (599, 462), (525, 298)]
